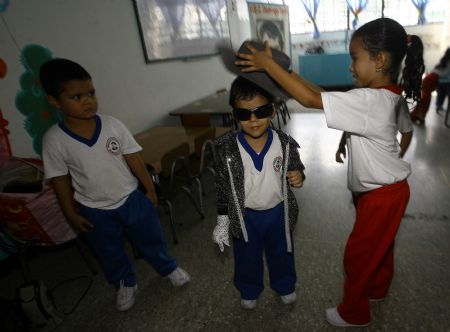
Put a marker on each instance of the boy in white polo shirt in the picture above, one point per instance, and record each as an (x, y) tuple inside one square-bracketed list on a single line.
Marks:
[(94, 165), (255, 204)]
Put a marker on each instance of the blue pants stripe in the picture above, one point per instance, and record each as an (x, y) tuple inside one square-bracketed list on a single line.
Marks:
[(137, 218)]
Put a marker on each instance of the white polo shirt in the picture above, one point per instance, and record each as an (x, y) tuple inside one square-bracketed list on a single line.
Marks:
[(100, 175), (262, 172), (370, 119)]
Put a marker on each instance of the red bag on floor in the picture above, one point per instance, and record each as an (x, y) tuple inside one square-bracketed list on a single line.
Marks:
[(29, 209)]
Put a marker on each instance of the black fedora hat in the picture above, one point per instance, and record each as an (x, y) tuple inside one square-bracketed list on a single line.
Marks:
[(262, 79)]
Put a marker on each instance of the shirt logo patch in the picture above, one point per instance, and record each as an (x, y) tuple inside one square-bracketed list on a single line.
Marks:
[(113, 145), (277, 163)]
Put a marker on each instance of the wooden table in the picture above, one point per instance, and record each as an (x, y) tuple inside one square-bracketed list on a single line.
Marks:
[(162, 145), (198, 113)]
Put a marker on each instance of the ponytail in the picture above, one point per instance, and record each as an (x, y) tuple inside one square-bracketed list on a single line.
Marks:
[(414, 68)]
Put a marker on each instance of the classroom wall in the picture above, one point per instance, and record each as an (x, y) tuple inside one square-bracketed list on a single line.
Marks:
[(103, 36)]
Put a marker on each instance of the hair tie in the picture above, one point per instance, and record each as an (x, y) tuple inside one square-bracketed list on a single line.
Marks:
[(408, 40)]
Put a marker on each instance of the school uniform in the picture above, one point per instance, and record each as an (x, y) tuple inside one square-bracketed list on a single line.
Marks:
[(106, 192), (377, 178), (253, 193)]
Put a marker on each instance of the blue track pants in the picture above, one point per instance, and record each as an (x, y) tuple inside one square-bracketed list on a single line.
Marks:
[(266, 234), (137, 218)]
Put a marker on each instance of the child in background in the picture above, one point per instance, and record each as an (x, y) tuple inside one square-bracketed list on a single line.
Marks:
[(94, 165), (254, 201), (377, 175), (429, 84)]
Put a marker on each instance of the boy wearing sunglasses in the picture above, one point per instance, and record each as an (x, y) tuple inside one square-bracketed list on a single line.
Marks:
[(256, 168)]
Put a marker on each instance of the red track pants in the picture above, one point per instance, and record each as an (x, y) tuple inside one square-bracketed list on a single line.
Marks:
[(429, 84), (369, 252)]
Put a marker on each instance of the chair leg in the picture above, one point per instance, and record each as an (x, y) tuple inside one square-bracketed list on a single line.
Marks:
[(25, 269), (282, 112), (172, 223), (286, 109), (188, 192), (87, 259), (200, 194)]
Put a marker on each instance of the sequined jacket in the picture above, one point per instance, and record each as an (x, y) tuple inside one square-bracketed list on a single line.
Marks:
[(230, 182)]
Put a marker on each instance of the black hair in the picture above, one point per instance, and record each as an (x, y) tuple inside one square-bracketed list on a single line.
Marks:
[(56, 72), (243, 89), (444, 60), (272, 31), (387, 35)]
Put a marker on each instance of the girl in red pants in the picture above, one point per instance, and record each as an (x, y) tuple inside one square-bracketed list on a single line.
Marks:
[(429, 84), (376, 173)]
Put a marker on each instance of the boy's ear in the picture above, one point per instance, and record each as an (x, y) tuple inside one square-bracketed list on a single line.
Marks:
[(53, 101)]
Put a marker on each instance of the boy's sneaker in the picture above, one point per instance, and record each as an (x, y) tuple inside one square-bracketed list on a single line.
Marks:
[(179, 277), (248, 304), (335, 319), (125, 297), (289, 298)]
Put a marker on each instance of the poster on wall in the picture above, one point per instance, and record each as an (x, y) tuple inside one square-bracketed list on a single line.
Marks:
[(270, 22), (174, 29)]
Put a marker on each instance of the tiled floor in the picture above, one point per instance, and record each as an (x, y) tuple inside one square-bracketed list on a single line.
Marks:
[(420, 293)]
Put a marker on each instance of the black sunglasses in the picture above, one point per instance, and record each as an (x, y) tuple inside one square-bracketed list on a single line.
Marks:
[(261, 112)]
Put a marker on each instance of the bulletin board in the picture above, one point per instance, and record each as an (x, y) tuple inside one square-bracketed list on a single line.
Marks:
[(179, 29)]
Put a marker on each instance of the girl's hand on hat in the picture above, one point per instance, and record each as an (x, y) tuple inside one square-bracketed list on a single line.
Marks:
[(257, 60), (295, 179)]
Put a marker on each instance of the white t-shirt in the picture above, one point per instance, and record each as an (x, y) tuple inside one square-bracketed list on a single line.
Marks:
[(100, 175), (369, 118), (262, 186)]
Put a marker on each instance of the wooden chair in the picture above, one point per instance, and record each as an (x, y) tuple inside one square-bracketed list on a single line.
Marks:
[(167, 151)]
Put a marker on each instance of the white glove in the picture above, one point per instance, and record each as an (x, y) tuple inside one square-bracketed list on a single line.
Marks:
[(221, 232)]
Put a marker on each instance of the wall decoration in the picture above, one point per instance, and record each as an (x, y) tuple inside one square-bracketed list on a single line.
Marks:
[(5, 147), (271, 22), (31, 100), (174, 29)]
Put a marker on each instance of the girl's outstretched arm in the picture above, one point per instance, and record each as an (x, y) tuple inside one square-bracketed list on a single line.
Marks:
[(301, 90)]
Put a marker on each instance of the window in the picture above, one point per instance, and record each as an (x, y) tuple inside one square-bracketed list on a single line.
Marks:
[(406, 13), (332, 14), (371, 12)]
